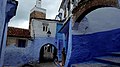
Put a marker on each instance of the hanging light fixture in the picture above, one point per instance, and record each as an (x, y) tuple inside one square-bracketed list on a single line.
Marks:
[(49, 33)]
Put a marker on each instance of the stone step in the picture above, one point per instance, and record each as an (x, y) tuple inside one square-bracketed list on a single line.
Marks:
[(117, 54), (92, 64), (113, 60), (46, 64)]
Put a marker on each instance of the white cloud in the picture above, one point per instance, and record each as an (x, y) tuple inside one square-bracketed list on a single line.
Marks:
[(25, 6), (19, 24)]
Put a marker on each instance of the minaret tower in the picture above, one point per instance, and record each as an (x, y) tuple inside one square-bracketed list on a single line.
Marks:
[(37, 11), (38, 3)]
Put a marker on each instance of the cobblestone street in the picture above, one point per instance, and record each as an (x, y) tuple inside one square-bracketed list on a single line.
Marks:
[(48, 64)]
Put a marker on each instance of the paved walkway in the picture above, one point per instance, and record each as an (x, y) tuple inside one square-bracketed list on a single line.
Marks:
[(48, 64)]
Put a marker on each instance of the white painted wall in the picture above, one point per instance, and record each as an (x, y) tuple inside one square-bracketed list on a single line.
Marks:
[(57, 18), (41, 37), (38, 9), (81, 27), (38, 3), (102, 19), (62, 11), (37, 28)]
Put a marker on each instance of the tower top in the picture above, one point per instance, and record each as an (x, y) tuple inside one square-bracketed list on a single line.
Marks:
[(38, 3), (37, 11)]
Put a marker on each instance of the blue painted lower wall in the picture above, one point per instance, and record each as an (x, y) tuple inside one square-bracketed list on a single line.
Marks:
[(85, 47), (60, 50)]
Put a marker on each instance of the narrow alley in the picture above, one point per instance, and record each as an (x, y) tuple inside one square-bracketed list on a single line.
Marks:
[(49, 64)]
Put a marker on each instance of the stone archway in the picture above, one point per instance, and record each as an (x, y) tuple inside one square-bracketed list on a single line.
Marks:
[(86, 7), (48, 53)]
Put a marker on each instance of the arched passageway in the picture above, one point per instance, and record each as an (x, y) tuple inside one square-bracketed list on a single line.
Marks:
[(48, 53)]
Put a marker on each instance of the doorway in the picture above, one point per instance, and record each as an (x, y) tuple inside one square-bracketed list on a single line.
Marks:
[(48, 53)]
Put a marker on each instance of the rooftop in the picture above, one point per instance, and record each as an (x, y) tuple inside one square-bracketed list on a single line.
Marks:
[(18, 32)]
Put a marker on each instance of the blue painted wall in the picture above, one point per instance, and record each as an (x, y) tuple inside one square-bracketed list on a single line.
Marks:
[(7, 11), (59, 39), (85, 47), (58, 27), (69, 43)]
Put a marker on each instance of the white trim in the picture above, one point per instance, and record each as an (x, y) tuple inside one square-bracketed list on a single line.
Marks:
[(38, 9)]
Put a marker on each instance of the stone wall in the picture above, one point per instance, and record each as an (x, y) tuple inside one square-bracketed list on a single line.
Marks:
[(11, 41), (84, 8), (37, 14), (14, 41)]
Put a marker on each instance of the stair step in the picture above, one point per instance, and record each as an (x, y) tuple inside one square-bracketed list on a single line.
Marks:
[(117, 54), (109, 60), (93, 64)]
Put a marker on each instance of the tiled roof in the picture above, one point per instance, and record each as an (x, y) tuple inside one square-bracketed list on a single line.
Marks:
[(18, 32)]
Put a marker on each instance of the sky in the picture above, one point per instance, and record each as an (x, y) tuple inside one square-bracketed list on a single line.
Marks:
[(21, 20)]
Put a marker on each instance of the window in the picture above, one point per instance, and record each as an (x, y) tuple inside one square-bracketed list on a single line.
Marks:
[(45, 27), (21, 43)]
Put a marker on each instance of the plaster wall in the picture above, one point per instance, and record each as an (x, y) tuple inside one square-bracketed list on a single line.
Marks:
[(97, 21), (37, 28), (2, 17), (62, 11), (38, 43), (60, 43), (11, 41), (100, 38), (2, 21), (14, 41), (38, 9), (15, 56)]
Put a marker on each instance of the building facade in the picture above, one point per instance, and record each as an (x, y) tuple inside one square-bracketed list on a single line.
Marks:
[(39, 41), (81, 36), (73, 39), (43, 31), (18, 37)]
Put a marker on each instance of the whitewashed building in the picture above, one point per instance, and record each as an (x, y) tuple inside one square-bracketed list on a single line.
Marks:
[(42, 43), (42, 31)]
